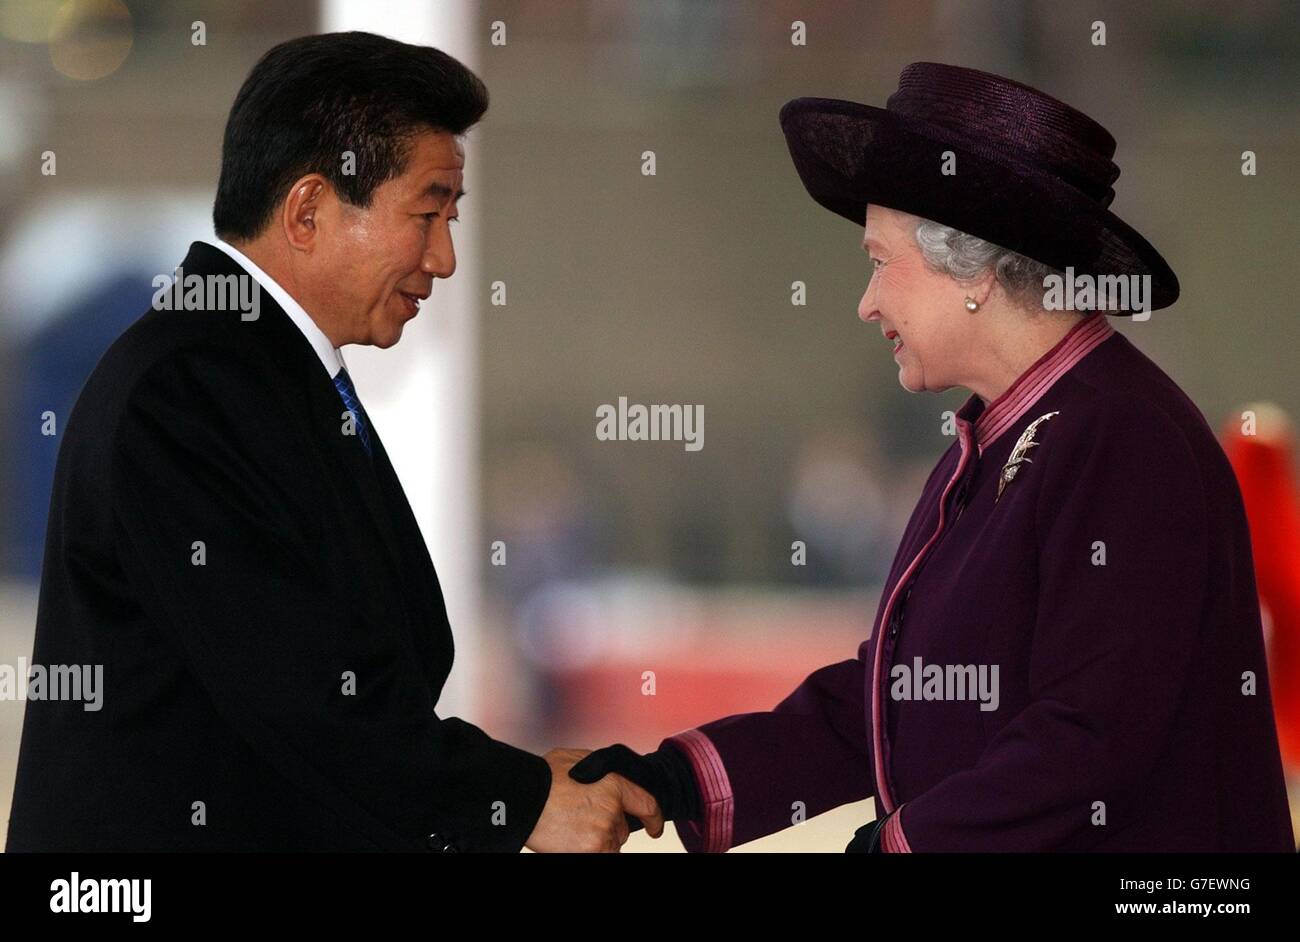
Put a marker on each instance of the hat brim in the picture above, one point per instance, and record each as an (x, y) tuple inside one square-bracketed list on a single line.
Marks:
[(851, 155)]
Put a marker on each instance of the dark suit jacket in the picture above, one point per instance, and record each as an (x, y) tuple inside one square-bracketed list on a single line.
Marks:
[(224, 683)]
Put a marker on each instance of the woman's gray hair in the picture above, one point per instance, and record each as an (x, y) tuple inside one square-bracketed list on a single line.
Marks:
[(966, 257)]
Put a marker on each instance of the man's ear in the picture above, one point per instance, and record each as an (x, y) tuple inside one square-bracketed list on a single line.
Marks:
[(302, 208)]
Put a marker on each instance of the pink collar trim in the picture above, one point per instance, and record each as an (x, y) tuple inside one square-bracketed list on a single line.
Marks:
[(1004, 411)]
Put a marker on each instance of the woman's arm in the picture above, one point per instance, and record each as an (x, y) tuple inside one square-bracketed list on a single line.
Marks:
[(745, 776)]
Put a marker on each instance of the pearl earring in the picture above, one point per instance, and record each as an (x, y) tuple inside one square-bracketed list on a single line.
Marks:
[(972, 304)]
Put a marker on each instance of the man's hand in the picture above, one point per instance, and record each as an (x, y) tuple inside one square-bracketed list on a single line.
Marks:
[(589, 818), (665, 773)]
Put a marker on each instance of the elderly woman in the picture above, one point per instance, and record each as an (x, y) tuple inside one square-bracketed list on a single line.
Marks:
[(1068, 653)]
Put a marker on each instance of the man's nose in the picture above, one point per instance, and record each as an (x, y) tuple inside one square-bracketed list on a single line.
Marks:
[(439, 258)]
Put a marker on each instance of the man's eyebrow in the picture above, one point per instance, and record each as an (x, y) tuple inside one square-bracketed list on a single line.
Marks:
[(870, 241), (442, 191)]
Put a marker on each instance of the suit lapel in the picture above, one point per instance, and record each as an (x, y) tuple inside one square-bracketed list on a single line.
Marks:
[(351, 454), (407, 566), (432, 632), (315, 392)]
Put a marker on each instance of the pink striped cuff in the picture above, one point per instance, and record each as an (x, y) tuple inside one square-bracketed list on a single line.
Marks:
[(717, 815), (892, 839)]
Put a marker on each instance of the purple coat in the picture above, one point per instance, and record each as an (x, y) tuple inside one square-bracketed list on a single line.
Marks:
[(1073, 664)]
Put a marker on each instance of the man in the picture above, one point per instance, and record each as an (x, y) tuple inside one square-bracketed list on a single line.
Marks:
[(227, 536)]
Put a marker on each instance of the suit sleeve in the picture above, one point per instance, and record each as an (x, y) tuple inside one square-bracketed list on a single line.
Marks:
[(1113, 645), (758, 773), (269, 638)]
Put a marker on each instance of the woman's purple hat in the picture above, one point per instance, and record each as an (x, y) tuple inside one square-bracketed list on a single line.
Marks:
[(1031, 174)]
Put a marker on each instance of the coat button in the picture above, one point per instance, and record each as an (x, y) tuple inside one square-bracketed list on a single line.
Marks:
[(896, 616), (437, 842)]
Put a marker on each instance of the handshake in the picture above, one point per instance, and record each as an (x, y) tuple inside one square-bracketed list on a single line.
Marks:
[(598, 798)]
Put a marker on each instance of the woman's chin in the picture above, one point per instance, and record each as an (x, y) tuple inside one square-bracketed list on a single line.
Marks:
[(908, 379)]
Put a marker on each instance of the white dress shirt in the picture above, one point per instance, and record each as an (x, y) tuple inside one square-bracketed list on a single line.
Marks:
[(330, 357)]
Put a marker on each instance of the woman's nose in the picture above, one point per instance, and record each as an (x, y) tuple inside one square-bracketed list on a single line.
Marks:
[(866, 307)]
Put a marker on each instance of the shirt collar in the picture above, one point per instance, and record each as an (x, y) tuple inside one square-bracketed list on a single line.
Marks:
[(1004, 411), (329, 355)]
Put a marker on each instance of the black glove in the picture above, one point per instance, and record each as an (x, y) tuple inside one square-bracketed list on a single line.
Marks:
[(867, 838), (666, 774)]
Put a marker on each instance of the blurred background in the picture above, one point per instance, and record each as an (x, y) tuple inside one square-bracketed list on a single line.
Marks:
[(607, 591)]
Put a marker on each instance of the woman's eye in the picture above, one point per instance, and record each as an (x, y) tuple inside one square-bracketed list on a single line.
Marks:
[(430, 216)]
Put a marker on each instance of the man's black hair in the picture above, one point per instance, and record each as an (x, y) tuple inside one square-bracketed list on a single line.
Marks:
[(309, 100)]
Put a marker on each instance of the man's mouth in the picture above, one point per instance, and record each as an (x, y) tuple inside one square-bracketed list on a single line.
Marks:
[(898, 341), (412, 302)]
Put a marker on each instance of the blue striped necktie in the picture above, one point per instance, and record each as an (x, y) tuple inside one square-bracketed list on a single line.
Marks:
[(343, 383)]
